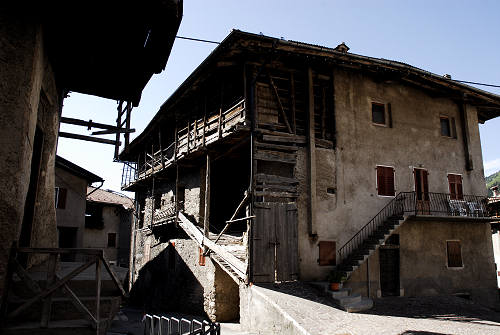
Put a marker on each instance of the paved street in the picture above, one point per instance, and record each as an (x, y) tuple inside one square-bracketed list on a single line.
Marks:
[(316, 314)]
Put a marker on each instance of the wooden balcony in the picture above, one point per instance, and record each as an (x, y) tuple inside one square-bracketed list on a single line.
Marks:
[(192, 138)]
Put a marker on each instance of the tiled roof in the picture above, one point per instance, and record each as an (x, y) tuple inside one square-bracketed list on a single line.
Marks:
[(109, 197)]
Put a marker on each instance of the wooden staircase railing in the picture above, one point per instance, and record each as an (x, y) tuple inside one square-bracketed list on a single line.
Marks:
[(55, 282)]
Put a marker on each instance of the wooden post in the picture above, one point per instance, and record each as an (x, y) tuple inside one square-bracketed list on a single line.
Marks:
[(47, 304), (127, 123), (292, 102), (98, 293), (312, 157), (188, 136), (118, 125), (176, 193), (204, 128), (195, 131), (161, 150), (176, 143), (469, 166), (323, 114), (206, 218), (220, 122)]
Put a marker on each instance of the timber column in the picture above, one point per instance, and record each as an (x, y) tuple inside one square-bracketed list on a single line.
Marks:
[(311, 150)]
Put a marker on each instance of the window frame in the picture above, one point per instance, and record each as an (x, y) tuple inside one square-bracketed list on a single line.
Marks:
[(384, 106), (457, 193), (393, 180), (448, 256), (452, 126)]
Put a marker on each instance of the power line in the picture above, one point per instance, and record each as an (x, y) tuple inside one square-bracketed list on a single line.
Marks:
[(196, 39), (474, 83)]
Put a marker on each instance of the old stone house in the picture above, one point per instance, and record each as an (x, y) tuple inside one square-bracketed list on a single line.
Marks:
[(279, 160), (109, 50)]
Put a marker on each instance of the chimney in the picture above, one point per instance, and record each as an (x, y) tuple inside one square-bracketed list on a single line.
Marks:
[(342, 48), (496, 191)]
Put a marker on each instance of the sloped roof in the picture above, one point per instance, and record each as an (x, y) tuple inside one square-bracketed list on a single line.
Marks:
[(109, 197), (77, 170)]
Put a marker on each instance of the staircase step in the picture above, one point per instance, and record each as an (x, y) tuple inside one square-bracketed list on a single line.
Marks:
[(343, 292), (348, 299), (363, 305)]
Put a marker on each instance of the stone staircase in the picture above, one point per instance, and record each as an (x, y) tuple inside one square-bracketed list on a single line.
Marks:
[(345, 299)]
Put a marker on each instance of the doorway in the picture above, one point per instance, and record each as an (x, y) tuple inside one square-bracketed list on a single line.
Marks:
[(422, 191), (389, 267), (67, 239)]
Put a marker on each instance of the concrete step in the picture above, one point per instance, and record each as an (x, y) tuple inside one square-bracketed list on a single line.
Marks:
[(63, 309), (362, 305), (343, 292), (347, 299)]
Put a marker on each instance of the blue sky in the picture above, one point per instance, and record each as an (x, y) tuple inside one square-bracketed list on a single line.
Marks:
[(460, 38)]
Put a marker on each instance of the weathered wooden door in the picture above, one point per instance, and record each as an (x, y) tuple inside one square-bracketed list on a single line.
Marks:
[(275, 243), (389, 267), (422, 191)]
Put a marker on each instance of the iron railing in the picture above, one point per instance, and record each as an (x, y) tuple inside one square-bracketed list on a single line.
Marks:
[(162, 325), (418, 204)]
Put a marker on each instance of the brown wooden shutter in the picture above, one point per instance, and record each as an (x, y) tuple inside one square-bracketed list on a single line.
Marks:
[(456, 190), (454, 254), (327, 253), (460, 192), (61, 198), (451, 183), (201, 260), (425, 180), (385, 180)]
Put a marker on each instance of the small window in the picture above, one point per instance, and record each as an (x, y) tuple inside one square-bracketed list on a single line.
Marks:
[(378, 113), (455, 184), (454, 253), (111, 240), (327, 253), (61, 193), (385, 181), (201, 260), (445, 127)]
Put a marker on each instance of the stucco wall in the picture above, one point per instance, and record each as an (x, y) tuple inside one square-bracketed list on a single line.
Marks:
[(26, 75), (350, 169), (73, 215), (98, 238)]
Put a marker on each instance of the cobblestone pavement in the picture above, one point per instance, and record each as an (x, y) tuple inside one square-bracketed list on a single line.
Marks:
[(316, 313)]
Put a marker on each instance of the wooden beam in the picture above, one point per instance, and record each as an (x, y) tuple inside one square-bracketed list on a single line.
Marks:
[(280, 105), (161, 150), (86, 138), (311, 148), (47, 304), (292, 102), (469, 164), (206, 217), (89, 124), (109, 132), (118, 126), (240, 206), (127, 123), (98, 293)]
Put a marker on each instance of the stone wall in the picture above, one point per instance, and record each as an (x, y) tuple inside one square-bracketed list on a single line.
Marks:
[(29, 99)]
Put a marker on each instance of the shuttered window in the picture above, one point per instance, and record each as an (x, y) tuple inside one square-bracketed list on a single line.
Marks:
[(455, 184), (201, 260), (454, 254), (385, 181), (327, 253)]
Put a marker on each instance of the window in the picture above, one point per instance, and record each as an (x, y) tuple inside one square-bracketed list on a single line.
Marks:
[(454, 253), (93, 215), (111, 240), (378, 113), (327, 255), (385, 181), (448, 127), (61, 197), (455, 183), (201, 260)]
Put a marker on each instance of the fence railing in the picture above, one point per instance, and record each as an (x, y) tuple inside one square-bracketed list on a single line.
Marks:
[(418, 204), (56, 282), (163, 325)]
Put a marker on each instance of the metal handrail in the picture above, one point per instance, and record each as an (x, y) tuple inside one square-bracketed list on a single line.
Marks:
[(418, 204)]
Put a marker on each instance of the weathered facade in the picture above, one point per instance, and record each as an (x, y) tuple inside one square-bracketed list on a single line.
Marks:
[(44, 54), (305, 159)]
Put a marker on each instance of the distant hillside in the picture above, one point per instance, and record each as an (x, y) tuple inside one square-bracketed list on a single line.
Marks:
[(491, 181)]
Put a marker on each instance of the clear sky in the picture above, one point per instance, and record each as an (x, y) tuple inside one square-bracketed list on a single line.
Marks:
[(460, 38)]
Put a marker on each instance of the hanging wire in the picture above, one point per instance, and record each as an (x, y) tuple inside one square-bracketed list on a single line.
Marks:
[(474, 83), (196, 39)]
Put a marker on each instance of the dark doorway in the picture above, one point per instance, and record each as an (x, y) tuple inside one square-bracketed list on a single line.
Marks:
[(67, 239), (422, 191), (389, 267), (29, 204)]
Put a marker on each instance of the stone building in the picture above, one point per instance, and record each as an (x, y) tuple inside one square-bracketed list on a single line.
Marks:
[(279, 160), (109, 50)]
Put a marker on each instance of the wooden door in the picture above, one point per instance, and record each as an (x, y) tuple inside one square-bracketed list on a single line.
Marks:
[(389, 267), (275, 243), (422, 191)]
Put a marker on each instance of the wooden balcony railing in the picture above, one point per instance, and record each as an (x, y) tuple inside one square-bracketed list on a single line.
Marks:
[(192, 137), (55, 282)]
